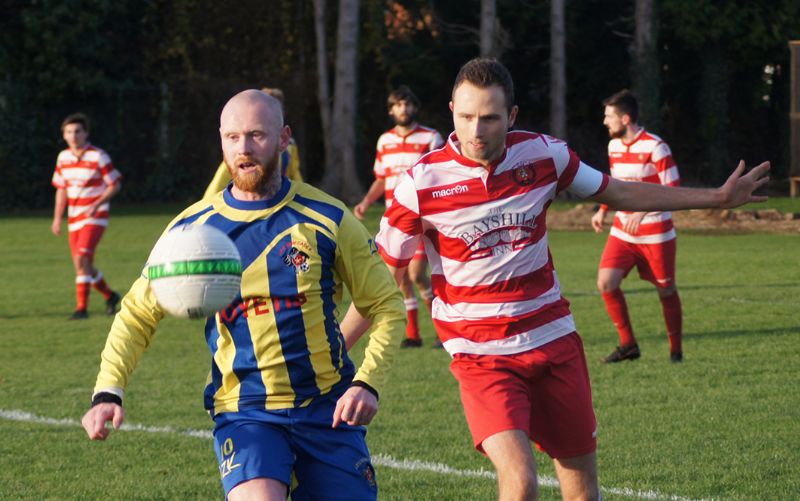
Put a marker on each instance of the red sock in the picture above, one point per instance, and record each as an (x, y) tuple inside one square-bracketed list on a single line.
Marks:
[(412, 310), (618, 311), (83, 284), (100, 285), (673, 317)]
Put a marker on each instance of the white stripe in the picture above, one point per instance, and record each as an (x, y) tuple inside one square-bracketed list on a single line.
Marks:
[(515, 344), (647, 239), (377, 459), (670, 175), (458, 312), (633, 171), (496, 268)]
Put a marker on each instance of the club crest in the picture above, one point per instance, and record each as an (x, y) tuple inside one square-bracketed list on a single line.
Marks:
[(297, 258), (524, 174)]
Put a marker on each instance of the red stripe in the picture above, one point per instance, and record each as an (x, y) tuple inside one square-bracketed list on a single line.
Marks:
[(404, 219), (82, 202), (404, 147), (514, 289), (649, 228), (397, 263), (494, 328)]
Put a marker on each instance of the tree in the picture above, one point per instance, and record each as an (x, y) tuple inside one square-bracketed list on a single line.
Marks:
[(646, 75), (558, 71), (340, 177), (488, 23)]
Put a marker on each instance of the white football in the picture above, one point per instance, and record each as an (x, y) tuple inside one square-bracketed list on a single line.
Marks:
[(194, 271)]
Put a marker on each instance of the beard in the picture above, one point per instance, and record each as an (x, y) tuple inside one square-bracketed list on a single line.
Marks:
[(616, 134), (258, 180), (404, 120)]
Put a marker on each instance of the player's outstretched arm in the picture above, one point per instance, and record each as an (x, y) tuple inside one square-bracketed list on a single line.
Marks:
[(738, 190), (95, 419)]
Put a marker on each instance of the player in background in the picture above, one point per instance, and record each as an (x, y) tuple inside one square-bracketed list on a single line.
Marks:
[(398, 149), (285, 397), (480, 204), (642, 239), (290, 158), (85, 181)]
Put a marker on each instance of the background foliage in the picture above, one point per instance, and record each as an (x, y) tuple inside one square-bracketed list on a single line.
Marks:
[(153, 76)]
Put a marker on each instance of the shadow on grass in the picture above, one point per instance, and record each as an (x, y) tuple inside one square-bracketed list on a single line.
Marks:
[(744, 332)]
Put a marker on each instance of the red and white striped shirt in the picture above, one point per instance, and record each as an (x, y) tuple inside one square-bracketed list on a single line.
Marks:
[(396, 154), (85, 178), (485, 236), (647, 159)]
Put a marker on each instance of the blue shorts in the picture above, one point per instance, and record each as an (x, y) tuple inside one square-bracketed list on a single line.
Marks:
[(327, 463)]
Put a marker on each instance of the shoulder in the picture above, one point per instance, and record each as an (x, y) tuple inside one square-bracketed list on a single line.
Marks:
[(318, 201)]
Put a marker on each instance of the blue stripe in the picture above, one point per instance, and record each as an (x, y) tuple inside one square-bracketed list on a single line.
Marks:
[(190, 219), (327, 250), (330, 211), (290, 325), (212, 335)]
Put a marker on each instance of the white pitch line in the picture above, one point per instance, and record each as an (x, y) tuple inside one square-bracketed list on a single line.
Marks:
[(379, 459)]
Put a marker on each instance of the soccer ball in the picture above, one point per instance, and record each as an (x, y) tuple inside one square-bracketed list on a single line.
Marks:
[(194, 271)]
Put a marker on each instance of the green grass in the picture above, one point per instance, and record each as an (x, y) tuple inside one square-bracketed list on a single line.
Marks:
[(722, 425)]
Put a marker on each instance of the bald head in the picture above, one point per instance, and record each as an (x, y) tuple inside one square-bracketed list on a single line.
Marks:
[(249, 102)]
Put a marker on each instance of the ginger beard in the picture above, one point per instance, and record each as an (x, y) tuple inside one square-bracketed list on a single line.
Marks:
[(251, 175)]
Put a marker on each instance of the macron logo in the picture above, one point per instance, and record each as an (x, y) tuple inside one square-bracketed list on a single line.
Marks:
[(455, 190)]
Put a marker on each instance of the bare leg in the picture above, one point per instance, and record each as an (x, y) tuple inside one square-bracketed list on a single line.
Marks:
[(511, 454), (578, 477), (259, 489)]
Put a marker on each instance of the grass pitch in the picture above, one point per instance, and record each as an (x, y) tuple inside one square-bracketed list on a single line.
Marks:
[(722, 425)]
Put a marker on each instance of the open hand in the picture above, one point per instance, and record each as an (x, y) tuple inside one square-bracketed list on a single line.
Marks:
[(738, 189)]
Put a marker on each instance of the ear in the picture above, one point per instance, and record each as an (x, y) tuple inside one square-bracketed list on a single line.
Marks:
[(512, 116), (286, 134), (451, 106)]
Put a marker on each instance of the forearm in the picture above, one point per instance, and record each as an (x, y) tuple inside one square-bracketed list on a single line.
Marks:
[(60, 205), (109, 193), (650, 197), (376, 190)]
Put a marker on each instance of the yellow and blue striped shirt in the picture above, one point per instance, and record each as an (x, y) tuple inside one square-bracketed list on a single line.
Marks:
[(278, 344)]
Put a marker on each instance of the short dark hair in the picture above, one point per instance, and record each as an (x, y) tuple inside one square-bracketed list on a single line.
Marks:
[(483, 72), (625, 103), (76, 118), (402, 93)]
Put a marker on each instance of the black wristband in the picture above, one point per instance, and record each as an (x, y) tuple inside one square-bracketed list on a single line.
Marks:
[(106, 398), (362, 384)]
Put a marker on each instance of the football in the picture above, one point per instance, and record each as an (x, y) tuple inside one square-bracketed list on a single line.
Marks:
[(194, 271)]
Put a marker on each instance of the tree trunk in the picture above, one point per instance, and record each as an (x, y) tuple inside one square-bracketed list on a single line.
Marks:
[(646, 76), (340, 178), (558, 71), (323, 80), (713, 106), (488, 23)]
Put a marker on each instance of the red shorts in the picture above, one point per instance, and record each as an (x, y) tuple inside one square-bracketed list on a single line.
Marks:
[(84, 241), (655, 262), (544, 392)]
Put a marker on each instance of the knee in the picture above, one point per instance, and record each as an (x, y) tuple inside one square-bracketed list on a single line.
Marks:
[(519, 483), (665, 292), (605, 285)]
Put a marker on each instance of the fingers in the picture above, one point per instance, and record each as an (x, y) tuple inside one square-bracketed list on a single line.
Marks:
[(337, 413), (94, 421), (353, 411), (119, 416)]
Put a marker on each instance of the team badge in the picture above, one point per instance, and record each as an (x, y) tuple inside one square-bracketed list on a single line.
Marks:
[(364, 467), (297, 258), (524, 174)]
